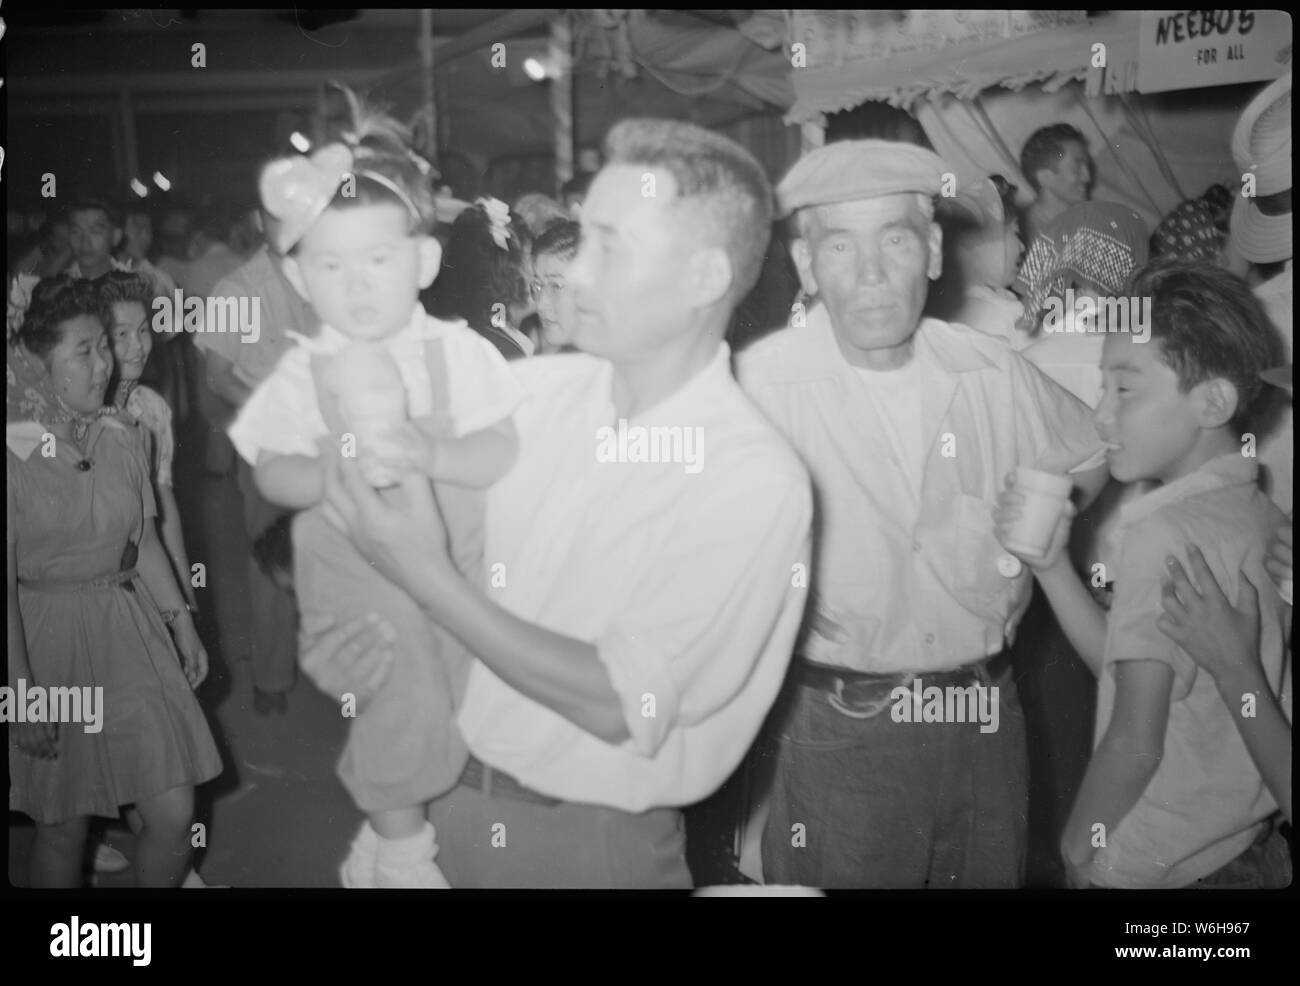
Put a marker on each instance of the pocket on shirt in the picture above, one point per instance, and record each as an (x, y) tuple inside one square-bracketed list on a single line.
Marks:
[(976, 579)]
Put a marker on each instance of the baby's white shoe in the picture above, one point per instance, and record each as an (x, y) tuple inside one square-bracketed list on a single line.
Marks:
[(358, 870), (109, 860), (407, 864)]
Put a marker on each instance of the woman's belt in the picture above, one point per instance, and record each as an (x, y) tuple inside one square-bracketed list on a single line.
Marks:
[(122, 578)]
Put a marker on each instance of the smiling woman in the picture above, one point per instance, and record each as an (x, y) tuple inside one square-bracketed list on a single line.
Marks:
[(64, 329), (128, 297), (82, 551)]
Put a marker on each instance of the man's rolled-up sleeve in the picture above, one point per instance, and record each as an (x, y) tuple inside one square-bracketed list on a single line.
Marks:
[(1055, 429), (707, 610)]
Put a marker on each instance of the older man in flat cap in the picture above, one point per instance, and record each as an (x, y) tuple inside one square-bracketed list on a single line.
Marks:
[(908, 427)]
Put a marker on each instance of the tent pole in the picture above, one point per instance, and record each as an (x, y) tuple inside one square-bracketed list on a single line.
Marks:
[(430, 148), (128, 137), (561, 45), (982, 119), (1137, 182), (320, 125)]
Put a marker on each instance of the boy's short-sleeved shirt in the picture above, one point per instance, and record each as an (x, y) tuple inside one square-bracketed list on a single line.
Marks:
[(283, 415), (1207, 801)]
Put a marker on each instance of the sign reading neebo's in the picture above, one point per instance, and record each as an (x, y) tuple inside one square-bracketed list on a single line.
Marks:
[(1188, 49)]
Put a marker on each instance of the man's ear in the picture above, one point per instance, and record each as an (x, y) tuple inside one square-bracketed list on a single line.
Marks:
[(709, 276), (294, 273), (936, 251), (801, 254), (1217, 402), (430, 252)]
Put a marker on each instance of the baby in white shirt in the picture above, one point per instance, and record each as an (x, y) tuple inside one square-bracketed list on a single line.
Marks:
[(399, 390)]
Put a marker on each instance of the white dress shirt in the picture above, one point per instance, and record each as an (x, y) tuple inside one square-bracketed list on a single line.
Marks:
[(689, 578)]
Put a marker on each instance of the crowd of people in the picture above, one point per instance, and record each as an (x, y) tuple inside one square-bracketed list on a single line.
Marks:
[(527, 637)]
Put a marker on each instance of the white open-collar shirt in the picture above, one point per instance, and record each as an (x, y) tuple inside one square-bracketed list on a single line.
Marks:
[(908, 586), (690, 581)]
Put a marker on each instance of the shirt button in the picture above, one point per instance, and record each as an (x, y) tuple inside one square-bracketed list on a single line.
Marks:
[(929, 638), (1009, 566)]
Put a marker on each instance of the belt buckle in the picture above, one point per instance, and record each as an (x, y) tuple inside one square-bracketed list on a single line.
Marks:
[(872, 710)]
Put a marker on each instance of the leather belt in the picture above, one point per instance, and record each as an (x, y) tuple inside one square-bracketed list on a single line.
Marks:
[(828, 678), (495, 783)]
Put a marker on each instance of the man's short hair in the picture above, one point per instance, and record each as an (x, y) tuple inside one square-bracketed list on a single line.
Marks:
[(718, 179), (86, 202), (876, 119), (1044, 148), (1209, 324), (121, 285), (560, 239)]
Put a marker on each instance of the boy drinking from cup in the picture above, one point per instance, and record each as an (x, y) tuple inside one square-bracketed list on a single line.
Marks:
[(1171, 797)]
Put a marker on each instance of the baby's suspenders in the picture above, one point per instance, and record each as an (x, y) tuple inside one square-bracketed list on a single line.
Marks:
[(435, 361), (326, 398)]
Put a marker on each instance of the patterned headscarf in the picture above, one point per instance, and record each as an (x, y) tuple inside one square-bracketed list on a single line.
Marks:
[(1188, 233), (32, 404), (1100, 242)]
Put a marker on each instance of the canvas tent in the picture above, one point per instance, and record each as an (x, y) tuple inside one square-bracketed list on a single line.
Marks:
[(111, 95), (628, 62), (979, 86), (980, 82)]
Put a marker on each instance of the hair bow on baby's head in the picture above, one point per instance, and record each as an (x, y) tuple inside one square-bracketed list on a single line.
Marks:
[(296, 190), (498, 214)]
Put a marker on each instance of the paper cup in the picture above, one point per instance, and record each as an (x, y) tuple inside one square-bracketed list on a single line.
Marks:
[(1045, 494)]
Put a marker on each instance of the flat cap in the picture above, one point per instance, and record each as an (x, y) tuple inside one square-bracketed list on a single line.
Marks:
[(859, 169)]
